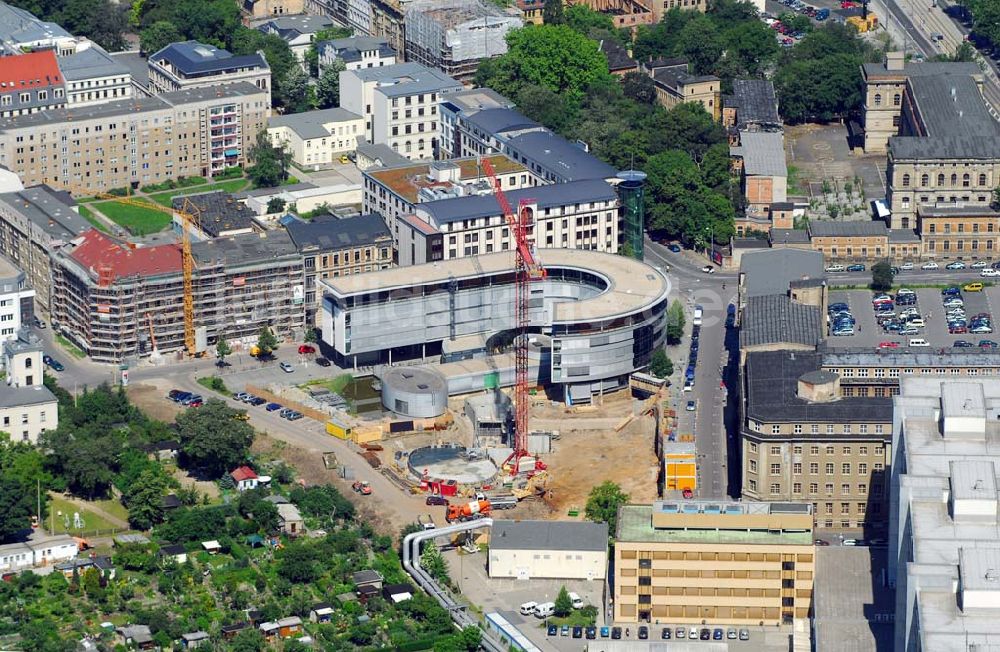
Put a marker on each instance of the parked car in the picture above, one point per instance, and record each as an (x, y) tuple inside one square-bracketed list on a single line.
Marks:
[(717, 634), (323, 362), (666, 634), (989, 272), (690, 406), (577, 631), (705, 634), (955, 265), (988, 344), (930, 265), (961, 344), (675, 248), (591, 633), (980, 264), (821, 542), (38, 322), (857, 267), (436, 500), (180, 396), (295, 416), (708, 269), (553, 630), (616, 633), (744, 634), (286, 367), (973, 287), (257, 401), (888, 345), (837, 307), (271, 407), (306, 348), (643, 632), (731, 633), (836, 268), (52, 363)]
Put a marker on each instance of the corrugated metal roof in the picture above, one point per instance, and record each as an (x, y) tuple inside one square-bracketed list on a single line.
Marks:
[(549, 535)]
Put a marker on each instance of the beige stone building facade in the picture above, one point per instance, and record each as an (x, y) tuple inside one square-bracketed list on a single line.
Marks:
[(194, 132), (714, 563), (254, 10), (958, 232), (674, 84)]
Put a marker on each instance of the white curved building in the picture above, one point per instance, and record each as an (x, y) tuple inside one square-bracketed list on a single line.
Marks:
[(602, 315)]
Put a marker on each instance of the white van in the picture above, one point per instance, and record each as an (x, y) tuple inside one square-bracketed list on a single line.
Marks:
[(545, 609), (528, 608), (698, 312), (918, 342), (576, 600)]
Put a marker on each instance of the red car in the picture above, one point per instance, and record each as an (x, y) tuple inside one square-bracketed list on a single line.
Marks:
[(957, 330), (305, 348), (888, 345)]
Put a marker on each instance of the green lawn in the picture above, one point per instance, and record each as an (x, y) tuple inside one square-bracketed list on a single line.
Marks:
[(61, 513), (138, 220), (73, 349), (214, 383), (336, 385), (88, 215), (230, 185)]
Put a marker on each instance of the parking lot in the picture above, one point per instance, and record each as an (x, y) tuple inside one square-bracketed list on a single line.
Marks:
[(868, 334)]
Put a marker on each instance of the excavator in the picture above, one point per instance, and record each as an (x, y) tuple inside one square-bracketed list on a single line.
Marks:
[(535, 486)]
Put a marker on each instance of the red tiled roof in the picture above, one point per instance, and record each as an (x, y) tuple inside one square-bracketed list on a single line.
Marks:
[(31, 70), (98, 251), (418, 224), (243, 473)]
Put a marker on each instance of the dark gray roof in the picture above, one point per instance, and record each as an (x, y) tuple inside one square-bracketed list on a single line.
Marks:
[(90, 63), (48, 211), (217, 212), (194, 59), (618, 57), (310, 124), (673, 73), (363, 576), (927, 210), (834, 358), (137, 66), (464, 208), (471, 100), (957, 122), (497, 121), (245, 249), (408, 79), (763, 153), (20, 26), (381, 153), (772, 383), (351, 49), (755, 102), (332, 233), (789, 236), (549, 535), (18, 396), (543, 150), (771, 271), (291, 27), (923, 69), (830, 228), (172, 549), (775, 318), (903, 235), (749, 243)]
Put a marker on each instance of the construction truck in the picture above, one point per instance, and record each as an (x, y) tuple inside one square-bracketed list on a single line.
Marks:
[(468, 511)]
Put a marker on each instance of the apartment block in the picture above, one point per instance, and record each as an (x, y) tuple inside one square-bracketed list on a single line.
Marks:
[(93, 76), (803, 441), (113, 298), (399, 104), (457, 109), (90, 149), (714, 563), (317, 139), (356, 52), (16, 300), (34, 223), (30, 83), (192, 64), (387, 22), (943, 554), (21, 31), (674, 84), (298, 31), (27, 407), (954, 231)]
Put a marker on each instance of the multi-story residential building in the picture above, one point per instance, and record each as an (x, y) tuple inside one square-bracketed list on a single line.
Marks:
[(112, 298), (399, 104), (457, 109), (196, 65), (387, 22), (397, 190), (455, 35), (759, 159), (943, 554), (359, 16), (714, 563), (16, 300), (34, 223), (255, 10), (943, 144), (194, 132), (93, 76), (30, 83), (27, 407), (356, 52), (674, 84), (575, 215), (803, 441), (317, 139), (298, 31), (333, 247), (21, 31)]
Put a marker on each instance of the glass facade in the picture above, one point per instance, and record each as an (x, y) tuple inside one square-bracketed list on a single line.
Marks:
[(632, 195)]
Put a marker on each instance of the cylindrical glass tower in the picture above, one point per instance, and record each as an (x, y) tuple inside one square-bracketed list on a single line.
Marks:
[(632, 195)]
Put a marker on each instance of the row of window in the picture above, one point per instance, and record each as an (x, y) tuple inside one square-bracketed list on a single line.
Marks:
[(861, 372), (831, 428), (775, 490), (959, 245), (830, 449), (966, 180), (829, 467)]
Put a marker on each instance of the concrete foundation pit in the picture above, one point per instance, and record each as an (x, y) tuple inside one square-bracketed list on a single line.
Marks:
[(451, 463)]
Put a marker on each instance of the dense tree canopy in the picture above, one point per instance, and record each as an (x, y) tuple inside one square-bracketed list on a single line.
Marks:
[(213, 439), (603, 503)]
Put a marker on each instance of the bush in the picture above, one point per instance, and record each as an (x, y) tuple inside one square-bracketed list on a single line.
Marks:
[(228, 173), (119, 192)]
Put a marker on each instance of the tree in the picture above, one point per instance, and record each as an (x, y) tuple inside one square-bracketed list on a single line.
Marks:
[(312, 54), (795, 22), (222, 348), (298, 564), (328, 86), (157, 36), (546, 106), (265, 516), (17, 504), (248, 640), (311, 336), (101, 20), (588, 22), (432, 562), (213, 439), (660, 365), (603, 503), (552, 12), (564, 605), (639, 87), (675, 322), (266, 342), (701, 42), (145, 499), (270, 163), (295, 91), (881, 276)]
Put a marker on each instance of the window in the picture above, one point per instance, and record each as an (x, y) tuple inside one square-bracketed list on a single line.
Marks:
[(940, 180), (896, 99), (797, 488), (813, 488), (862, 489), (752, 484), (863, 428), (845, 489), (814, 450), (982, 179), (797, 449), (966, 180), (775, 469), (829, 508), (906, 180), (846, 450), (829, 428), (878, 99), (829, 468), (797, 468), (845, 468), (775, 450), (845, 508), (814, 468), (847, 428), (753, 447), (814, 428), (775, 488), (775, 430), (861, 508), (829, 450), (753, 466), (924, 180), (878, 426), (878, 450)]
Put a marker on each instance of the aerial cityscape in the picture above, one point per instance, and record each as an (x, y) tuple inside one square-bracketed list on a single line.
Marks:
[(502, 325)]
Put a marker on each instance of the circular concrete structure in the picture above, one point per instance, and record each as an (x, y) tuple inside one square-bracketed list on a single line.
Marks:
[(417, 392), (451, 463)]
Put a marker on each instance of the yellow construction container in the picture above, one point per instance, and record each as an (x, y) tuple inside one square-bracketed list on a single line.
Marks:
[(863, 25), (366, 435), (680, 470), (338, 429)]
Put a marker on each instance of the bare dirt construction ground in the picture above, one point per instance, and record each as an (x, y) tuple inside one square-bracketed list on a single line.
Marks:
[(202, 486), (589, 451), (151, 400)]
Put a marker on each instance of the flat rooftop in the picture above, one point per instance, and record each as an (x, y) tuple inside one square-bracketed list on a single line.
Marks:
[(407, 180), (947, 357), (631, 285), (635, 525)]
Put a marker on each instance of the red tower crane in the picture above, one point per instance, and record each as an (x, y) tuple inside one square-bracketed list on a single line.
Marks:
[(526, 268)]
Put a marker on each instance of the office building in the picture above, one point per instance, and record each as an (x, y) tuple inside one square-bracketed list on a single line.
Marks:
[(298, 31), (30, 83), (93, 76), (714, 563), (34, 223), (16, 300), (317, 139), (332, 247), (399, 104), (943, 551), (455, 35), (89, 149), (674, 84), (456, 108), (453, 307), (879, 373), (356, 52), (569, 550), (191, 64), (27, 407)]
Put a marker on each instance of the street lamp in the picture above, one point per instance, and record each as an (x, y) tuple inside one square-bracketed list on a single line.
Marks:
[(711, 240)]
